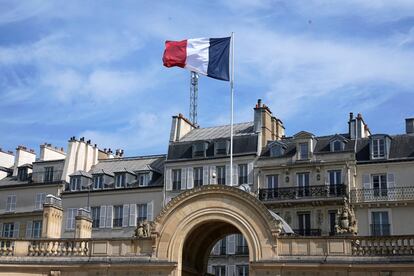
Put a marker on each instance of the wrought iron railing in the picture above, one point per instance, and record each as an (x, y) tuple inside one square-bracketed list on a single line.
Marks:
[(47, 176), (377, 194), (288, 193), (308, 232)]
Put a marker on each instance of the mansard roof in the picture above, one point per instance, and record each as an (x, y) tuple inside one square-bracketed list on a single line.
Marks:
[(130, 164), (211, 133)]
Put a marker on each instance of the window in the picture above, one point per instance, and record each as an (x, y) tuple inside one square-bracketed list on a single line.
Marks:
[(221, 148), (48, 177), (241, 247), (176, 181), (120, 180), (117, 216), (243, 174), (11, 203), (332, 222), (40, 199), (143, 179), (75, 183), (221, 175), (8, 230), (98, 181), (379, 184), (276, 151), (70, 218), (335, 179), (198, 176), (242, 270), (222, 247), (272, 181), (378, 148), (96, 213), (303, 151), (37, 229), (304, 224), (219, 270), (142, 213), (22, 174), (199, 150), (303, 184), (336, 146), (380, 225)]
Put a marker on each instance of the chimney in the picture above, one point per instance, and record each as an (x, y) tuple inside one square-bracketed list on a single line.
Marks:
[(7, 161), (269, 127), (23, 156), (180, 126), (357, 127), (48, 152), (409, 125)]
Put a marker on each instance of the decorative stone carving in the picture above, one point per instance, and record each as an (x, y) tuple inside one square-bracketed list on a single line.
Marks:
[(143, 230), (345, 220)]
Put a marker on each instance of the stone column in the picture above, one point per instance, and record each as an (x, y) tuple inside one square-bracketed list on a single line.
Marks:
[(52, 217), (83, 224)]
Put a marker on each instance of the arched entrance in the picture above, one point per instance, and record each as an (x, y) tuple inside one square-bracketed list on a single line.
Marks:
[(190, 225)]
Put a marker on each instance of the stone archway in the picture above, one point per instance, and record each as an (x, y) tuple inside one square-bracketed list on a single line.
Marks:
[(188, 227)]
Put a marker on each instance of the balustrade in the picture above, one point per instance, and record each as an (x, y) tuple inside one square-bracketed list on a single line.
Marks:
[(379, 194), (383, 246), (294, 193), (58, 248)]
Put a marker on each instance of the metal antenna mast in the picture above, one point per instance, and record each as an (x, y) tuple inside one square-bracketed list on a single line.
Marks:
[(193, 97)]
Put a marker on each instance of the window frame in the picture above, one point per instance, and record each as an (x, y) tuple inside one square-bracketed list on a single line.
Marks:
[(221, 175), (243, 175), (176, 179), (378, 144), (96, 216), (142, 212), (117, 216), (302, 155), (48, 174), (11, 203), (37, 229), (40, 200), (75, 183), (120, 180), (98, 181), (198, 176)]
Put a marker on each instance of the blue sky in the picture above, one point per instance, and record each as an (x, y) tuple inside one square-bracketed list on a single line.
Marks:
[(94, 69)]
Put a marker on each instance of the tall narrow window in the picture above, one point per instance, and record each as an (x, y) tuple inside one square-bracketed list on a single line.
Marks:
[(98, 181), (96, 213), (332, 222), (272, 186), (70, 218), (242, 270), (335, 179), (120, 179), (37, 229), (40, 200), (243, 174), (142, 213), (380, 225), (242, 248), (379, 184), (303, 151), (198, 176), (75, 183), (221, 175), (8, 230), (176, 179), (303, 184), (22, 174), (378, 148), (117, 220), (11, 203), (48, 177), (304, 224), (143, 179)]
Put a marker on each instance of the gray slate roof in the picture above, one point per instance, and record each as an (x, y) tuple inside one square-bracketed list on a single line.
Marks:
[(210, 133), (133, 164)]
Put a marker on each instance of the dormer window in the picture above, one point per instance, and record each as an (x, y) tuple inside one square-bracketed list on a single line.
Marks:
[(337, 145), (303, 151), (199, 149), (22, 173), (221, 148), (276, 151), (98, 181), (75, 183), (143, 179), (378, 148), (120, 179)]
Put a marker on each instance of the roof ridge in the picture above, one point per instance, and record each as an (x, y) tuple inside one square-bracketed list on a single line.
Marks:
[(132, 158), (223, 125)]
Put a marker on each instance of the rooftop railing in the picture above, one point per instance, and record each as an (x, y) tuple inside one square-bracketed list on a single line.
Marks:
[(293, 193), (380, 194)]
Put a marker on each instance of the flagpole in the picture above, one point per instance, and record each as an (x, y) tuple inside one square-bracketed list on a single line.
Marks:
[(232, 107)]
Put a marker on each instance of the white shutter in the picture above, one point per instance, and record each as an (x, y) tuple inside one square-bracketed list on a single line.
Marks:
[(235, 175), (133, 215), (228, 175), (102, 216), (29, 229), (205, 176), (109, 216), (231, 244), (250, 173), (213, 180), (391, 186), (366, 183), (190, 180), (231, 270), (150, 211), (16, 230), (125, 215), (183, 178), (168, 181)]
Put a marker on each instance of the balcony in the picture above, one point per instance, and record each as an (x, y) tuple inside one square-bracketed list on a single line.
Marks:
[(295, 193), (378, 195), (380, 230), (47, 176), (308, 232)]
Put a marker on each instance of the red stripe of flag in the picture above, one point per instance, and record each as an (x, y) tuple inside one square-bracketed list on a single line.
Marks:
[(175, 53)]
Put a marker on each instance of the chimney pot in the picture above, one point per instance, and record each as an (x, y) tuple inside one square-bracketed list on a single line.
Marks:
[(82, 139), (351, 115)]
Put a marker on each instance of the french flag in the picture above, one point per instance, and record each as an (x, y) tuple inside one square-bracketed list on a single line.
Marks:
[(207, 56)]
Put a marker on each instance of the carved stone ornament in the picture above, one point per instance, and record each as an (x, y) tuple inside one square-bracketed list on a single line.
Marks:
[(346, 221), (143, 230)]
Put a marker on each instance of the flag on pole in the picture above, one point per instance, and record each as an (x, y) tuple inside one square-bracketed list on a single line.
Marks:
[(207, 56)]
